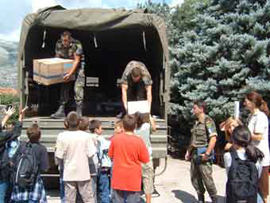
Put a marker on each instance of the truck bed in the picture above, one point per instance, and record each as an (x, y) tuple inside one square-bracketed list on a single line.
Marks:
[(50, 128)]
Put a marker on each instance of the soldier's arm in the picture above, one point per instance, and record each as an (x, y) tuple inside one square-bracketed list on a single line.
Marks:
[(149, 95), (124, 95), (77, 59), (58, 53), (211, 145), (188, 152)]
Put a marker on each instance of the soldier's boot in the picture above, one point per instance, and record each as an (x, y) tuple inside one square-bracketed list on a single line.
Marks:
[(60, 113), (214, 199), (79, 108), (201, 198)]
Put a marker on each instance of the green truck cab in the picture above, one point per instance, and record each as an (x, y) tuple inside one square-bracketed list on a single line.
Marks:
[(110, 39)]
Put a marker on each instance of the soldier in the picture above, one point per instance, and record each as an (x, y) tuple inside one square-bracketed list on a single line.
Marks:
[(136, 84), (203, 140), (70, 48)]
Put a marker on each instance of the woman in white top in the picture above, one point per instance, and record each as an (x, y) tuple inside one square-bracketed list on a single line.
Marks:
[(258, 126)]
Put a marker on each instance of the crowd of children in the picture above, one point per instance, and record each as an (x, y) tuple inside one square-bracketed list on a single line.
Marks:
[(96, 169)]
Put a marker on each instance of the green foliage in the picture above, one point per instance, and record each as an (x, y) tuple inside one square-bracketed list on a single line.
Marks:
[(9, 99), (219, 51), (221, 57), (183, 16)]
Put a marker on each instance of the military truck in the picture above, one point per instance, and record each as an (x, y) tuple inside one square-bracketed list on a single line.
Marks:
[(110, 39)]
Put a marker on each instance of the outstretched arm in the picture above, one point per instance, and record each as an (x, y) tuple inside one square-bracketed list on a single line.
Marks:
[(22, 112), (124, 88), (149, 95), (153, 123), (9, 112)]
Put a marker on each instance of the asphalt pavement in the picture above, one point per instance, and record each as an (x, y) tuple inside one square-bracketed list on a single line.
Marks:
[(174, 185)]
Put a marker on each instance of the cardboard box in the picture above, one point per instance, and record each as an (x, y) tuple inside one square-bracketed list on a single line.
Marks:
[(138, 106), (51, 70)]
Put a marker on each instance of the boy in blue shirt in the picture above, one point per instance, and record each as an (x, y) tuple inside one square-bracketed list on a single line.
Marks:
[(103, 183)]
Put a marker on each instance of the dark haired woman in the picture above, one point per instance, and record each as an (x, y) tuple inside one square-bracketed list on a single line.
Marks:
[(258, 126), (241, 139)]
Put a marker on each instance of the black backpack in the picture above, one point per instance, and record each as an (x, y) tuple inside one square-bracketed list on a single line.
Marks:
[(242, 184), (25, 168)]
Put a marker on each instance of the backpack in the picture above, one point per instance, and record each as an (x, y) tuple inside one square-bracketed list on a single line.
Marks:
[(25, 167), (242, 184), (7, 163)]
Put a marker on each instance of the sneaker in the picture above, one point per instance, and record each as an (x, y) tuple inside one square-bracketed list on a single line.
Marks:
[(155, 193), (201, 199), (120, 115)]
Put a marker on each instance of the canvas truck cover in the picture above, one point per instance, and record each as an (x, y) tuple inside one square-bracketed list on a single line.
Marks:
[(92, 20)]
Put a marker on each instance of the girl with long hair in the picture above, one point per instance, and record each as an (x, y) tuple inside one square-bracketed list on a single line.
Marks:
[(245, 150), (146, 124)]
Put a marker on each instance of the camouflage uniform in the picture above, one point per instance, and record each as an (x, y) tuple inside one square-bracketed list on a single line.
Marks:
[(68, 53), (201, 173), (136, 91)]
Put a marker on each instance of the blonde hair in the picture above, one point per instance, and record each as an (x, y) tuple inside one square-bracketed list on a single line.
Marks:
[(227, 124), (118, 124)]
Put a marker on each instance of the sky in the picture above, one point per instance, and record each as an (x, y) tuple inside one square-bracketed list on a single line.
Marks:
[(12, 12)]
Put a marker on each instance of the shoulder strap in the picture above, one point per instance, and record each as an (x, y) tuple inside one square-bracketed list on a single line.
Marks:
[(233, 153)]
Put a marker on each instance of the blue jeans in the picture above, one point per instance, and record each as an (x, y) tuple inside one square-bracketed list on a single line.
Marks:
[(104, 187), (121, 196), (3, 190), (62, 190)]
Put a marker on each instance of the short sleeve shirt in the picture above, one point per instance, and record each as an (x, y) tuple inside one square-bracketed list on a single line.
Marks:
[(199, 133), (68, 52), (127, 152), (242, 155), (258, 123), (75, 148), (127, 78)]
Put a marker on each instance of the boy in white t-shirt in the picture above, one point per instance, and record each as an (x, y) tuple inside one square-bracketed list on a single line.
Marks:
[(75, 150)]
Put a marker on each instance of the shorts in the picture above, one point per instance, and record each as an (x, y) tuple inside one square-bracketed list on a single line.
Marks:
[(148, 177)]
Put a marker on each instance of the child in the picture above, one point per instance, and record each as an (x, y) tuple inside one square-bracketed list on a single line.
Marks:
[(143, 130), (74, 148), (9, 142), (83, 126), (228, 126), (242, 150), (93, 162), (36, 193), (118, 127), (104, 161), (128, 151)]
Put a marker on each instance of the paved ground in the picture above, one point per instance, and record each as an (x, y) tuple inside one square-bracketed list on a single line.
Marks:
[(174, 184)]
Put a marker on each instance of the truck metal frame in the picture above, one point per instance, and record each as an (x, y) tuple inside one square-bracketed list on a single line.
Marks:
[(110, 39)]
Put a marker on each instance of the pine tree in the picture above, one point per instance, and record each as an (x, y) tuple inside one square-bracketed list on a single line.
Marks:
[(225, 55)]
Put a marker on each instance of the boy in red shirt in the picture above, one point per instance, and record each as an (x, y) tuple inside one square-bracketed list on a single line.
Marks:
[(128, 151)]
